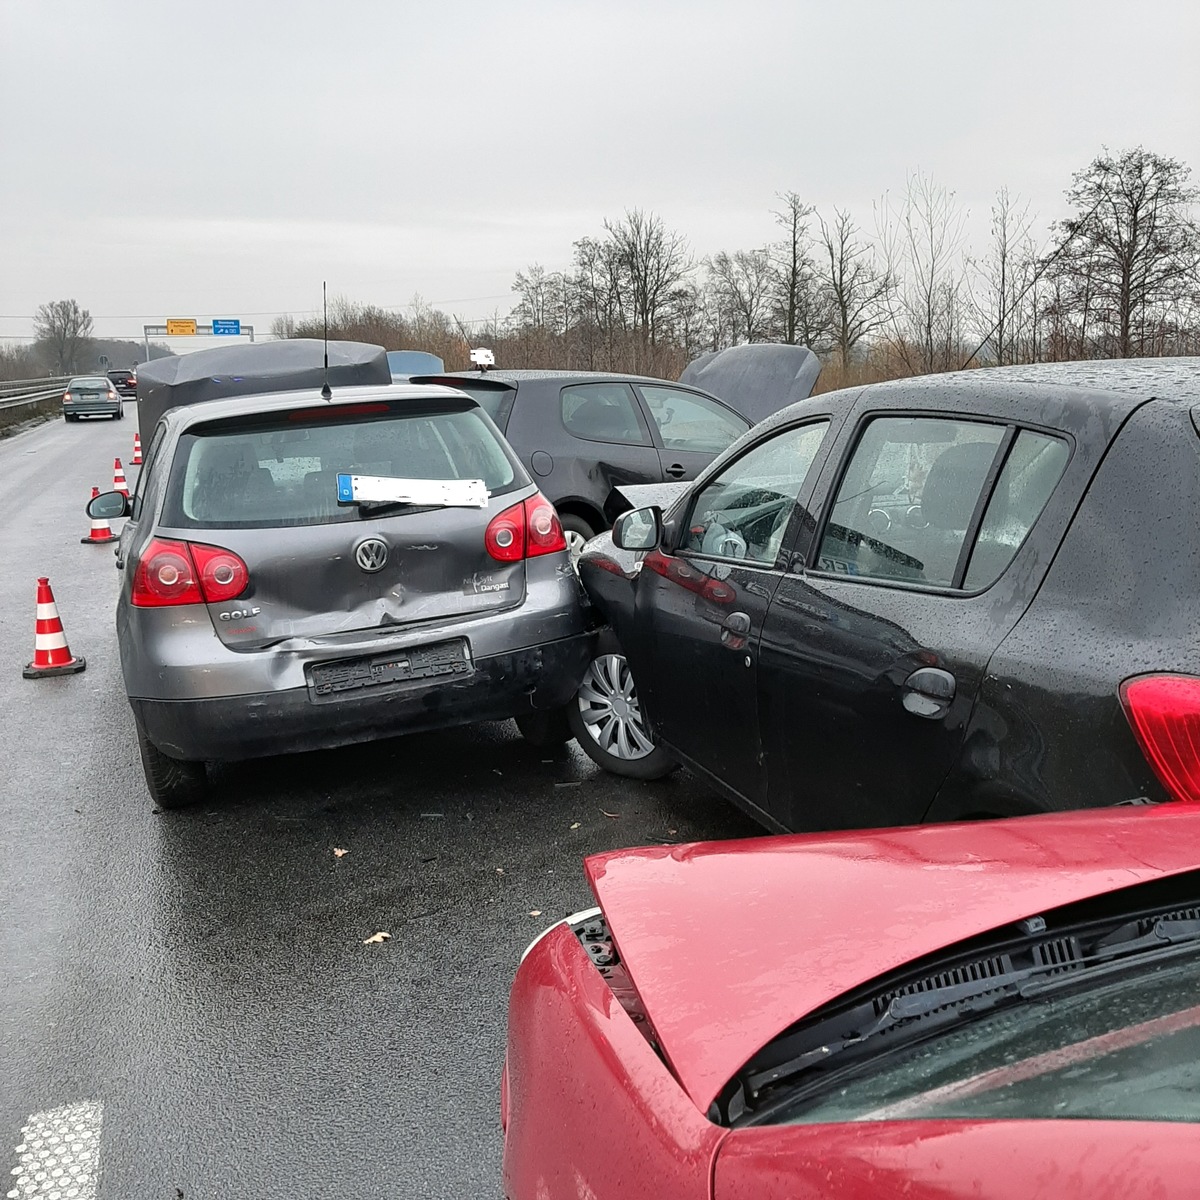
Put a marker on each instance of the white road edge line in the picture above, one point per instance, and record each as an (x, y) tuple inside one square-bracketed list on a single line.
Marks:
[(59, 1154)]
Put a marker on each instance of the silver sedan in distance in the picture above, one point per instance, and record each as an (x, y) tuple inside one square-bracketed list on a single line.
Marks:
[(92, 396)]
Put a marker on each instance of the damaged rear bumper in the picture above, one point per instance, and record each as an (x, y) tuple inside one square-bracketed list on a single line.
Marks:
[(285, 722)]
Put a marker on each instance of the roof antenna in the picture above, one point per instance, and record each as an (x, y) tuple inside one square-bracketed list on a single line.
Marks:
[(326, 390)]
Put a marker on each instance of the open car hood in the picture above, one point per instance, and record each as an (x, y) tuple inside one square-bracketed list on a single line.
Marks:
[(730, 943), (758, 379)]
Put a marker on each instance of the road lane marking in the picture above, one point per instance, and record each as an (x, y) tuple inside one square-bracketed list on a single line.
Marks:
[(59, 1154)]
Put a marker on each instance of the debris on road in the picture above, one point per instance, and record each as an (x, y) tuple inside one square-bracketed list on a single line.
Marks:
[(575, 825), (535, 912), (611, 816), (376, 938), (338, 852), (499, 870), (569, 783)]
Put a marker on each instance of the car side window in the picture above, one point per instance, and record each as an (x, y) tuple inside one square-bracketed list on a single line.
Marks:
[(139, 491), (743, 512), (1034, 467), (907, 499), (686, 421), (603, 412)]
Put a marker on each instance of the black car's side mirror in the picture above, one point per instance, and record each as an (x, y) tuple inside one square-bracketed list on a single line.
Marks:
[(109, 505), (639, 529)]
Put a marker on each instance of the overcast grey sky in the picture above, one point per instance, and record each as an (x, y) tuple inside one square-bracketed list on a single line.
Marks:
[(221, 159)]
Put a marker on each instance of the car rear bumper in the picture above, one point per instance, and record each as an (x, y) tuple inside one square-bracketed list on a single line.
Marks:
[(284, 722), (91, 409)]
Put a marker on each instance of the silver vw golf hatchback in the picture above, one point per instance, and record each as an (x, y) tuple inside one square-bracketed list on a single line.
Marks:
[(302, 573)]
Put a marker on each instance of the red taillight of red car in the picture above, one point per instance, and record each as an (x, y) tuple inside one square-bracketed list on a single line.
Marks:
[(525, 530), (171, 573), (1164, 711)]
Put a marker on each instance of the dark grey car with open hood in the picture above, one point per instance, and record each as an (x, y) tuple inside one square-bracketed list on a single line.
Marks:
[(302, 573)]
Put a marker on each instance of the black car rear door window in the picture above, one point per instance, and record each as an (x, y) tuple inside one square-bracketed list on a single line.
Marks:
[(744, 512), (1032, 471), (686, 421), (603, 412), (908, 499)]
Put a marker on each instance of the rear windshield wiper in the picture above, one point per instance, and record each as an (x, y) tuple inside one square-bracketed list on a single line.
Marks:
[(374, 508), (960, 991)]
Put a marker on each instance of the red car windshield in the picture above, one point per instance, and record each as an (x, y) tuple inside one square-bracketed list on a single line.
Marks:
[(1127, 1050)]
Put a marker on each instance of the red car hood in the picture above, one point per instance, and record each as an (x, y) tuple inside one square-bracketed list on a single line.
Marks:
[(729, 943)]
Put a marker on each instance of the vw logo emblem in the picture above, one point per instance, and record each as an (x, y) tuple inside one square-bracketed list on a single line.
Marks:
[(371, 554)]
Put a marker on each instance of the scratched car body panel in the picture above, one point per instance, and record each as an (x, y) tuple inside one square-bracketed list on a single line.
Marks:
[(318, 622)]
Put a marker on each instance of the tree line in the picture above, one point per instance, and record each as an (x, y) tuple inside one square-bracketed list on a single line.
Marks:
[(64, 344), (905, 295), (1118, 278)]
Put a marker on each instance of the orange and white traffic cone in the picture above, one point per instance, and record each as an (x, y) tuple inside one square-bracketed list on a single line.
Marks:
[(137, 450), (51, 655), (119, 484), (101, 532)]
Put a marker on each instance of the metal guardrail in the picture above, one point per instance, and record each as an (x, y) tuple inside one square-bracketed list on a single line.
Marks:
[(20, 392)]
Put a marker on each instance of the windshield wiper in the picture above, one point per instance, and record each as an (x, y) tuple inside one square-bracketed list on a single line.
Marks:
[(373, 508), (1016, 973)]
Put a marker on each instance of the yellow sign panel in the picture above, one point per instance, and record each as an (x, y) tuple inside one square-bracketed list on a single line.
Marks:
[(181, 326)]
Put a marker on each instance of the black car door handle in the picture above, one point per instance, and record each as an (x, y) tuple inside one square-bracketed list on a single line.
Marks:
[(929, 693), (676, 471), (736, 625)]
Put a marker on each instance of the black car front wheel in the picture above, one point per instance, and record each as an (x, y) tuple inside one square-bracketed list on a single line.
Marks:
[(171, 782), (606, 718)]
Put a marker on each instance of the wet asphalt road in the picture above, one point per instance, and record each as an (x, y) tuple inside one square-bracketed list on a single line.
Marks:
[(199, 980)]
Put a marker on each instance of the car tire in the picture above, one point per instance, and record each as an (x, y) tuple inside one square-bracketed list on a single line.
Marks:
[(171, 782), (545, 728), (616, 740), (577, 531), (119, 415)]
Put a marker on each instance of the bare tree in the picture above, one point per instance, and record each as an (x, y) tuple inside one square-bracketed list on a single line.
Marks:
[(802, 310), (655, 263), (923, 246), (858, 286), (1134, 249), (743, 284), (63, 331), (542, 298), (1002, 282)]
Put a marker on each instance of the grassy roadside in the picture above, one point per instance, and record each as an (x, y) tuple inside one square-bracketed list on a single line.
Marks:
[(16, 420)]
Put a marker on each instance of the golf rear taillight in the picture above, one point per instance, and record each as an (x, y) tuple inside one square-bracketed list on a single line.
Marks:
[(165, 575), (223, 575), (1164, 711), (505, 535), (544, 528), (525, 531), (171, 572)]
